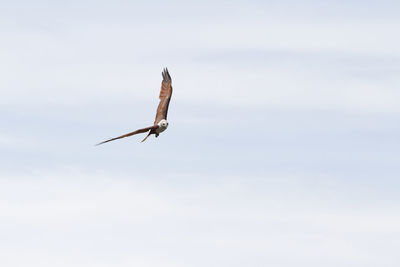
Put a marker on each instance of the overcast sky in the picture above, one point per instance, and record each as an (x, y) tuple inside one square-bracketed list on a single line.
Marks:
[(282, 147)]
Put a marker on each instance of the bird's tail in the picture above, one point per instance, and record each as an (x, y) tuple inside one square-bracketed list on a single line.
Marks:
[(146, 137)]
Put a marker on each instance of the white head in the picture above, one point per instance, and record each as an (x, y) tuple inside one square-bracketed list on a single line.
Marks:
[(163, 124)]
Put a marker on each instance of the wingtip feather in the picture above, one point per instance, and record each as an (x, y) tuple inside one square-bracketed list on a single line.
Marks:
[(166, 76), (103, 142)]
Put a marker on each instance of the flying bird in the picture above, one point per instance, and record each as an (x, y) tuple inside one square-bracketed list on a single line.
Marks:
[(160, 123)]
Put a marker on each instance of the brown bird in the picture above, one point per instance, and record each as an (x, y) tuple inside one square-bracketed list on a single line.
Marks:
[(160, 123)]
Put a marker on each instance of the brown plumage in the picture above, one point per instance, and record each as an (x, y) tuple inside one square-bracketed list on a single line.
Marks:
[(160, 123), (165, 97)]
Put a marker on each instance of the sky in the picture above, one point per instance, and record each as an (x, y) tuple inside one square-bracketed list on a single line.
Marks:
[(282, 147)]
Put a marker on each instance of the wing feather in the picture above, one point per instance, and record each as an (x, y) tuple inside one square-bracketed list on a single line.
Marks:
[(130, 134), (165, 97)]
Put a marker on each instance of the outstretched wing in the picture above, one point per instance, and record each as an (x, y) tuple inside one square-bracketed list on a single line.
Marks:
[(165, 97), (132, 133)]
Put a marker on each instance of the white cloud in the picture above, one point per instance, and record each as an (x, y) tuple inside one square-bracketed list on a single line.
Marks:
[(96, 59), (103, 219), (282, 148)]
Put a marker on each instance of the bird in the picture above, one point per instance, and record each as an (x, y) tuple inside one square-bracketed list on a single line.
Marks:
[(160, 122)]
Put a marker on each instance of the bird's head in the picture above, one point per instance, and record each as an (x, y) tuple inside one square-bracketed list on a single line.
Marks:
[(163, 124)]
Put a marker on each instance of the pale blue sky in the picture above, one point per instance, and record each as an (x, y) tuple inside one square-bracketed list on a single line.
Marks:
[(282, 148)]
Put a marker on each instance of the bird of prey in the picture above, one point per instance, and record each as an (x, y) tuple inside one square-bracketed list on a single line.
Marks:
[(160, 123)]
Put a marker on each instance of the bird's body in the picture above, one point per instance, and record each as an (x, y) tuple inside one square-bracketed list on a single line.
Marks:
[(160, 123), (162, 126)]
